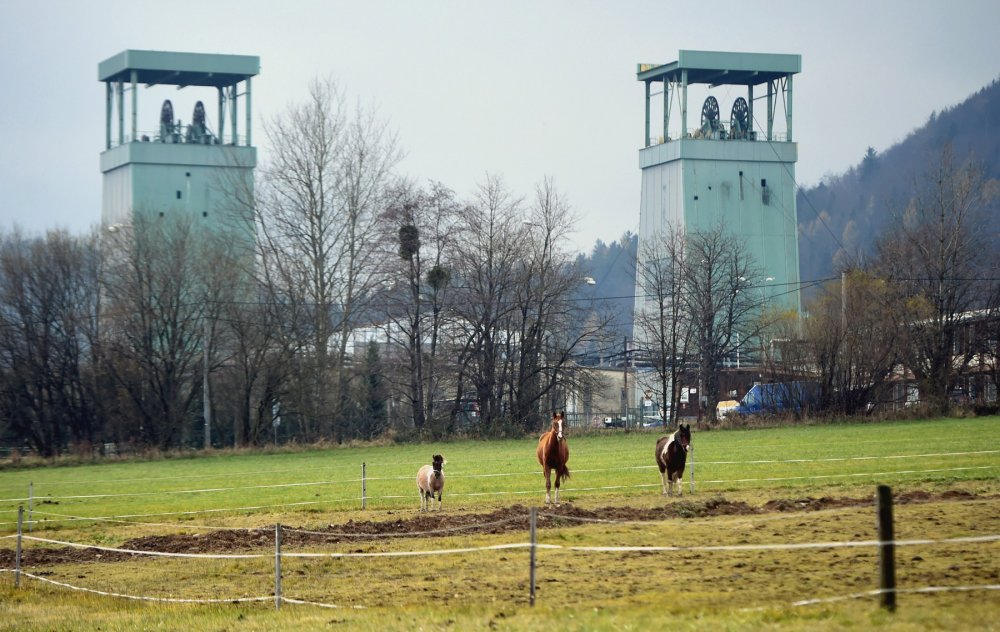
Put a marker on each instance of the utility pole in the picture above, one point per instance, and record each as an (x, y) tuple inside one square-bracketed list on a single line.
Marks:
[(625, 382), (843, 301), (206, 400)]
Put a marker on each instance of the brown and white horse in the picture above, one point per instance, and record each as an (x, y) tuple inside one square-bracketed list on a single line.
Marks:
[(553, 453), (430, 481), (671, 456)]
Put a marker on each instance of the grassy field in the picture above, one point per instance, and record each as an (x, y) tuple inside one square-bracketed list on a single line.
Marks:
[(947, 468)]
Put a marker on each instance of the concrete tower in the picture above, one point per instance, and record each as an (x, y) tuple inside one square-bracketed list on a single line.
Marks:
[(164, 168), (730, 162), (736, 169)]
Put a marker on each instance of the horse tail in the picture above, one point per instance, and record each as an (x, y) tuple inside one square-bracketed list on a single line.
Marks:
[(563, 471), (558, 459)]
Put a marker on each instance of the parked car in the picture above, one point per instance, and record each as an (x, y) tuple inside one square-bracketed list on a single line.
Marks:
[(726, 407), (614, 422)]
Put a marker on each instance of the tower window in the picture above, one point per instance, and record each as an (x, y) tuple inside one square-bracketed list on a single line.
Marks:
[(204, 213), (178, 195), (161, 213), (696, 197)]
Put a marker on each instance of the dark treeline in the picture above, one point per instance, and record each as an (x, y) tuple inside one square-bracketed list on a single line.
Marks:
[(841, 217)]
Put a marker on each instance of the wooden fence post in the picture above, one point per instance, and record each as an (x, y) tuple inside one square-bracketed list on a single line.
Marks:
[(531, 574), (886, 549), (364, 487), (31, 502), (277, 566)]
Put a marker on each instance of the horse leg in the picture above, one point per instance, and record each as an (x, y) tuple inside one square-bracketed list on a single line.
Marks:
[(548, 484), (439, 501), (423, 501), (663, 481), (558, 477)]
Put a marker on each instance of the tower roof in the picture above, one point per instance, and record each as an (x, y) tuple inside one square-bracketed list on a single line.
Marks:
[(720, 68), (178, 69)]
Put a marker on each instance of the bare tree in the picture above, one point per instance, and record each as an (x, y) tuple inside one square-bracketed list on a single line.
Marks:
[(722, 298), (550, 326), (155, 301), (318, 205), (662, 328), (422, 225), (49, 388), (486, 259), (853, 336), (940, 259)]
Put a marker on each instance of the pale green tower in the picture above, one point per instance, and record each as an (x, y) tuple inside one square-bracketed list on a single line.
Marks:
[(730, 160), (198, 169)]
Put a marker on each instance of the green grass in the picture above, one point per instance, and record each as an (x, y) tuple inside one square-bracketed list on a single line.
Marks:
[(606, 468), (488, 590)]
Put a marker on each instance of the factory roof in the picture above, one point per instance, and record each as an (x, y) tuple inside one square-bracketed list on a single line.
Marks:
[(721, 68), (178, 69)]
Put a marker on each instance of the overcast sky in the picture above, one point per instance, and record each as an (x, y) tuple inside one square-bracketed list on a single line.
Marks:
[(522, 89)]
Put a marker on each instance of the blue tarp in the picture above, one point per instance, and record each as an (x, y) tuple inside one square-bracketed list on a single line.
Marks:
[(765, 399)]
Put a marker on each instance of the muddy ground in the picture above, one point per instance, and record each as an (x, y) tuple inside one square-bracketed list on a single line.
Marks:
[(514, 518)]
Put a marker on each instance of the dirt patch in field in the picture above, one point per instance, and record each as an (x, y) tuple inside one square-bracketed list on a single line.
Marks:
[(513, 518)]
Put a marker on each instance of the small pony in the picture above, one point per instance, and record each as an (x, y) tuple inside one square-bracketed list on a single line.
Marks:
[(671, 455), (430, 480), (553, 453)]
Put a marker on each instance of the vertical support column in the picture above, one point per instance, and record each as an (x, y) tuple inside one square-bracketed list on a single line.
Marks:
[(364, 486), (531, 573), (788, 108), (750, 110), (120, 87), (277, 566), (684, 103), (222, 113), (135, 106), (666, 109), (108, 108), (248, 102), (645, 140), (770, 110), (886, 549), (234, 127)]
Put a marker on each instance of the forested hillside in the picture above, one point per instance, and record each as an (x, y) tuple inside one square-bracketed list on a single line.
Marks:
[(840, 218), (612, 266)]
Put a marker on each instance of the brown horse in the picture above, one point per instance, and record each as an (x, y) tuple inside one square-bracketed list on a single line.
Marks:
[(671, 456), (553, 453)]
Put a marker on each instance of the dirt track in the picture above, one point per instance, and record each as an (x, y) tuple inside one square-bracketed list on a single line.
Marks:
[(514, 518)]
